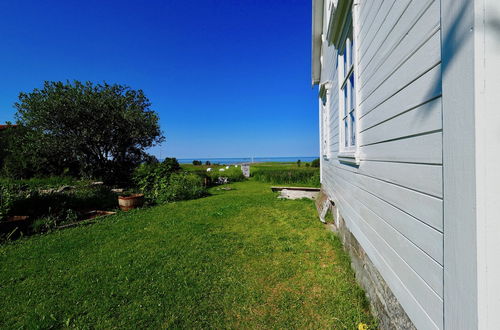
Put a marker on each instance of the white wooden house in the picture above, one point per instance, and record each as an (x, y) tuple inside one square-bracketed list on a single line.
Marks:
[(409, 106)]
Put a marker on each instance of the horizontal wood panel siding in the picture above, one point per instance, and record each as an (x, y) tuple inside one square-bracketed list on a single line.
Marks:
[(420, 177), (424, 59), (396, 247), (423, 89), (423, 119), (421, 304), (420, 149), (392, 200), (390, 22)]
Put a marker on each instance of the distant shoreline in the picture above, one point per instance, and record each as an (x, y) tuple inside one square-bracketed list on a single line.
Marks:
[(230, 160)]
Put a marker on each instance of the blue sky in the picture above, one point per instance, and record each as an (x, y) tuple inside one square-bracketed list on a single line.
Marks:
[(229, 78)]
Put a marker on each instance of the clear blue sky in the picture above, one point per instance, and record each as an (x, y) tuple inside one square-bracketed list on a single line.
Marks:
[(229, 78)]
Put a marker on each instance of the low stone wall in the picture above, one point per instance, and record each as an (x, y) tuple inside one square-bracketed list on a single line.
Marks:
[(383, 303)]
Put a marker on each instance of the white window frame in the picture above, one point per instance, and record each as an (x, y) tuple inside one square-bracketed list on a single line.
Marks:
[(325, 104), (348, 104)]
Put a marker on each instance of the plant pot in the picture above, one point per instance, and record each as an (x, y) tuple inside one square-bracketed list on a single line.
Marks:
[(130, 202)]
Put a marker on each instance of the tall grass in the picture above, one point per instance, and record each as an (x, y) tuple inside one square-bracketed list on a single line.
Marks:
[(232, 174), (289, 176)]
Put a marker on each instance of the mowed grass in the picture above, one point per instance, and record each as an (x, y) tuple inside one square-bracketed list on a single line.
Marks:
[(237, 259)]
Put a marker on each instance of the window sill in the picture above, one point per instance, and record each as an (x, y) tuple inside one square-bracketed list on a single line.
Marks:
[(348, 157)]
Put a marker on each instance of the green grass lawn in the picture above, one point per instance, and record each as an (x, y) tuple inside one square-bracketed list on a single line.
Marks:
[(236, 259)]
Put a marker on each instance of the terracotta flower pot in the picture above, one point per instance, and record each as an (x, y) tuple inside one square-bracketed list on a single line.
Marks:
[(130, 202)]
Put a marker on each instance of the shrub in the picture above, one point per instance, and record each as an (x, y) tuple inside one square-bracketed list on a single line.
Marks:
[(7, 198), (315, 163), (197, 162), (150, 178), (172, 187), (171, 164), (164, 182), (182, 186)]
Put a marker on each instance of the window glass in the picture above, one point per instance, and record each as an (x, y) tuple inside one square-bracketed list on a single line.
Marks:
[(353, 128), (353, 94), (347, 85), (346, 137)]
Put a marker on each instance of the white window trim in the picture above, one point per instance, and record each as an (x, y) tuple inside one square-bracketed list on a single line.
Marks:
[(325, 91), (348, 154)]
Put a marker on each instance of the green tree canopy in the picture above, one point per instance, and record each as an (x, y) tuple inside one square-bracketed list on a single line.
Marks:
[(91, 130)]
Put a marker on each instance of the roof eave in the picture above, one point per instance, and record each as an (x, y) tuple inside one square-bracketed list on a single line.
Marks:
[(317, 30)]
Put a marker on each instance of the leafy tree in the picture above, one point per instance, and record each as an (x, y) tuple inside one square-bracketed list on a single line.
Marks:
[(315, 163), (87, 129), (208, 163), (16, 160), (299, 162), (197, 162)]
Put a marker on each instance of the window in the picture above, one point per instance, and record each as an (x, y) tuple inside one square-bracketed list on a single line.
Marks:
[(347, 93)]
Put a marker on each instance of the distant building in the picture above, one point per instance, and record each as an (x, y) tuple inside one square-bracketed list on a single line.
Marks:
[(409, 92)]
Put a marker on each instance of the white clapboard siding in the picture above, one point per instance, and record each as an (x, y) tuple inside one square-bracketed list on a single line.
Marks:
[(392, 198), (424, 178), (425, 149), (366, 10), (423, 89), (421, 61), (423, 305), (423, 207), (425, 237), (425, 27), (421, 262), (423, 119), (389, 23), (377, 24), (390, 39), (367, 20)]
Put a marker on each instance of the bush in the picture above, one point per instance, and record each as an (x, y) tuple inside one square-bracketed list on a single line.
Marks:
[(173, 187), (315, 163), (182, 186), (197, 162), (7, 197), (150, 178), (171, 164), (164, 183)]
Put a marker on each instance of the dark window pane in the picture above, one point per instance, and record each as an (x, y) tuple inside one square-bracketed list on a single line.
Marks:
[(353, 128)]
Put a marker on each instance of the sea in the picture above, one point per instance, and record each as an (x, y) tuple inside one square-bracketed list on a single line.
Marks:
[(228, 161)]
